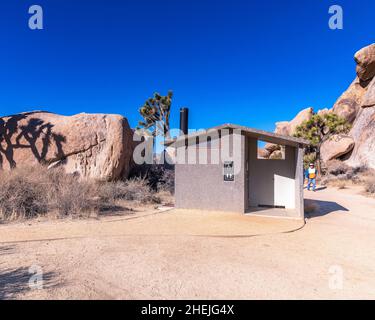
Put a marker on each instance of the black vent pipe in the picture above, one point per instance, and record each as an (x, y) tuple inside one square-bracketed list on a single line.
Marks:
[(184, 116)]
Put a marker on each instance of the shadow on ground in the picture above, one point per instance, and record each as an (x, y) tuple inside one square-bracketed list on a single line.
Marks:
[(116, 211), (4, 250), (16, 281), (323, 208), (317, 189)]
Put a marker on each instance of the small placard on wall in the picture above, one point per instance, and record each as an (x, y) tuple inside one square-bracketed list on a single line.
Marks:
[(228, 171)]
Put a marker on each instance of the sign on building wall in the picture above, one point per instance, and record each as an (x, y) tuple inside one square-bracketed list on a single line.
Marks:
[(228, 171)]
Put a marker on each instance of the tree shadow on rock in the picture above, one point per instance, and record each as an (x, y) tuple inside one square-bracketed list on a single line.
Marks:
[(36, 135)]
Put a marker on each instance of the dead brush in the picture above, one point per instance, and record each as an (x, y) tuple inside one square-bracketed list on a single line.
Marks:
[(340, 175), (136, 189), (33, 191), (22, 194), (339, 183)]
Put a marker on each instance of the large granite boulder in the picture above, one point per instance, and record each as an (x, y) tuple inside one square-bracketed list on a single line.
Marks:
[(365, 59), (276, 155), (91, 145), (324, 112), (302, 116), (263, 153), (288, 128), (269, 148), (336, 146), (282, 128)]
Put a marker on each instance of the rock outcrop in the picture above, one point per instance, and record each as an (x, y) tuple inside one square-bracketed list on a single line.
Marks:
[(336, 146), (363, 133), (91, 145), (369, 98)]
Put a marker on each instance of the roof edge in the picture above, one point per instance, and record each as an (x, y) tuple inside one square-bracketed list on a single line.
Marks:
[(256, 132)]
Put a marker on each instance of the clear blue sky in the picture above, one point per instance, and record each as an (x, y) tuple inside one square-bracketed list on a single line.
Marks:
[(246, 62)]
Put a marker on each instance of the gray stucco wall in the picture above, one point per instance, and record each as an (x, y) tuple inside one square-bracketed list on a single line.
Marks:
[(202, 186)]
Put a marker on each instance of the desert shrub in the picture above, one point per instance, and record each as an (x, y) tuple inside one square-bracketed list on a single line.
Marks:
[(166, 181), (68, 195), (22, 194), (136, 189), (32, 191), (370, 186), (337, 172), (337, 167), (29, 192), (160, 177)]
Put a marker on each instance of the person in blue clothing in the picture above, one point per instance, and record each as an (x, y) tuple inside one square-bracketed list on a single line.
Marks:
[(310, 175)]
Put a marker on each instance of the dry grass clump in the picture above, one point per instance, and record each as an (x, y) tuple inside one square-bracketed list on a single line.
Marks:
[(34, 191)]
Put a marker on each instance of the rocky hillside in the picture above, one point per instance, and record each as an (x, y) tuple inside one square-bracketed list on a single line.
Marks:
[(357, 106)]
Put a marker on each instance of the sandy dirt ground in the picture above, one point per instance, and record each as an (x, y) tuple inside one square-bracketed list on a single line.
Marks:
[(179, 254)]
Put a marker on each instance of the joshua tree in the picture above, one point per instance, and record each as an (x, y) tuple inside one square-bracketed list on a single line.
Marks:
[(319, 129), (155, 113)]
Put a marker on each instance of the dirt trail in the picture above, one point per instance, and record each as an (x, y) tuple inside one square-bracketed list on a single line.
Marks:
[(187, 255)]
